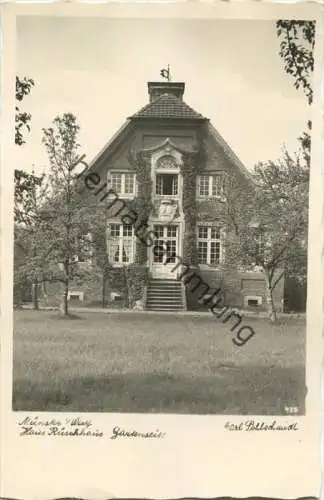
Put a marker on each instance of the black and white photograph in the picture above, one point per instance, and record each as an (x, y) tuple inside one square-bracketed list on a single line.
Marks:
[(161, 242), (161, 189)]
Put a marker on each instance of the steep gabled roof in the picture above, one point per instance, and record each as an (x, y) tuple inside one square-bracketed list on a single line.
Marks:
[(168, 106), (166, 103), (229, 152), (111, 143)]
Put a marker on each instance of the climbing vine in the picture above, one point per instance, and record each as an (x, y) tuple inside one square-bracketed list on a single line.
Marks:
[(193, 164), (142, 203)]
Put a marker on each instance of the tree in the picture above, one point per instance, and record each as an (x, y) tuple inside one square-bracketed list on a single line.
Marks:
[(30, 191), (267, 224), (297, 51), (26, 192), (297, 40), (23, 89), (101, 266), (66, 217)]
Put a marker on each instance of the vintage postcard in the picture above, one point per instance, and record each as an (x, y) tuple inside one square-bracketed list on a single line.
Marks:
[(161, 242)]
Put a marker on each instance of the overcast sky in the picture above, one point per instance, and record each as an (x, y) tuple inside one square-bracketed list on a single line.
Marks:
[(98, 68)]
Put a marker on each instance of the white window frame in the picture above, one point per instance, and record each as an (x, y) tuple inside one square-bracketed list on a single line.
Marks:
[(122, 173), (121, 238), (176, 175), (209, 241), (210, 194)]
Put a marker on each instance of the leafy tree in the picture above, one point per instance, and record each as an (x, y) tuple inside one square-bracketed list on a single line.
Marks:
[(30, 192), (26, 192), (297, 51), (66, 217), (29, 189), (267, 224), (23, 89), (25, 184), (100, 265), (297, 41)]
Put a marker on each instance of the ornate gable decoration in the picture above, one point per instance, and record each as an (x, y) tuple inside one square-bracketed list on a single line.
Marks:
[(166, 162)]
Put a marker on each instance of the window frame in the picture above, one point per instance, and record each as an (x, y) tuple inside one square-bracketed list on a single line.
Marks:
[(170, 235), (209, 240), (121, 238), (176, 176), (211, 176), (123, 174)]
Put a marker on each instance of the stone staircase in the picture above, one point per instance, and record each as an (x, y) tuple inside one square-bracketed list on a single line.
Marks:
[(165, 295)]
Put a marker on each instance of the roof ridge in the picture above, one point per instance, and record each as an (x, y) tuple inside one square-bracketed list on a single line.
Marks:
[(148, 105), (159, 108)]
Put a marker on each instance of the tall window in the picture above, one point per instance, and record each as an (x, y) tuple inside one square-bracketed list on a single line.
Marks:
[(167, 184), (209, 245), (165, 243), (210, 186), (122, 183), (120, 243)]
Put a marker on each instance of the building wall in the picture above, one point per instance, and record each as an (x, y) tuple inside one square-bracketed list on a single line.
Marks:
[(236, 286), (236, 289)]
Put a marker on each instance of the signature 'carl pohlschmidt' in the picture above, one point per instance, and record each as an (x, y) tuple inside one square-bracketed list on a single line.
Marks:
[(255, 425)]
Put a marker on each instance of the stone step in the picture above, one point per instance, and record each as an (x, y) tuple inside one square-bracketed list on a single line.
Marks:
[(164, 280), (164, 289), (165, 308), (165, 283), (164, 295), (164, 301), (160, 286)]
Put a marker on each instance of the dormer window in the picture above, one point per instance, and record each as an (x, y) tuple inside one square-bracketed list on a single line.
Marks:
[(167, 184), (166, 176), (210, 186), (123, 183)]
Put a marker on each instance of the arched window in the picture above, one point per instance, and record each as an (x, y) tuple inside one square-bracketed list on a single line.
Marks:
[(166, 162), (166, 176)]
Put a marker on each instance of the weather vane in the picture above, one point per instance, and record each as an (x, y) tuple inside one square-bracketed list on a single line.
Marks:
[(166, 73)]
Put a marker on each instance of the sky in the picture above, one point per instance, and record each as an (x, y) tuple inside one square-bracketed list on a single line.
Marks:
[(98, 69)]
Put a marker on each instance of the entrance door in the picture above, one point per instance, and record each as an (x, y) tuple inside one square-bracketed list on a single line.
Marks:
[(165, 251)]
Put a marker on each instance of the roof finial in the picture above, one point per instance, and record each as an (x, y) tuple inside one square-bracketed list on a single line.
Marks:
[(166, 73)]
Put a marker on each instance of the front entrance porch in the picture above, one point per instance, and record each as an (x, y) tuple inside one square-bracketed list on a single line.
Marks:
[(164, 253)]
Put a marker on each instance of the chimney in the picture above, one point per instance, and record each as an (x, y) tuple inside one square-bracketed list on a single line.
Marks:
[(156, 89)]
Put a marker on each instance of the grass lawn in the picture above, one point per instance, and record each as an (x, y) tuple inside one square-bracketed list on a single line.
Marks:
[(156, 363)]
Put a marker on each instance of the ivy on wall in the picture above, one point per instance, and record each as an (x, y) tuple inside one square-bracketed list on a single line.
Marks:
[(193, 164), (142, 203), (130, 280), (136, 278), (133, 278)]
